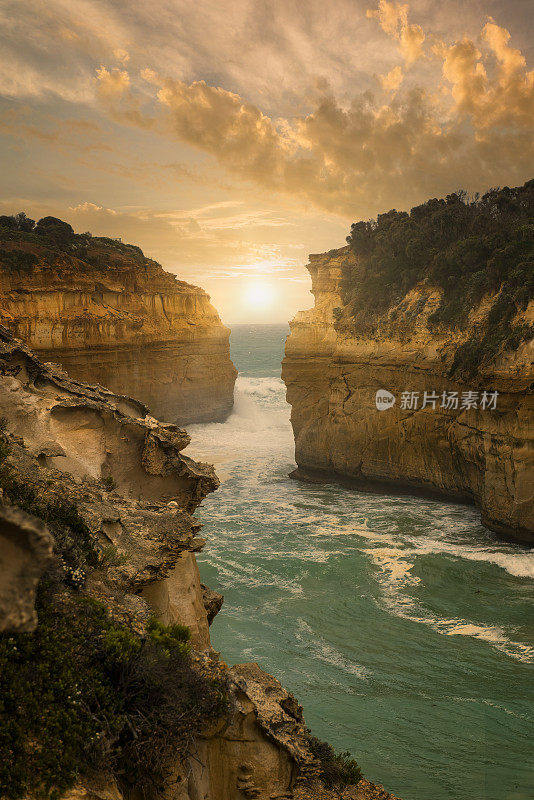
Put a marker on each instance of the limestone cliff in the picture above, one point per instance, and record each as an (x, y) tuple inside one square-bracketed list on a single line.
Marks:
[(117, 494), (109, 315), (333, 370)]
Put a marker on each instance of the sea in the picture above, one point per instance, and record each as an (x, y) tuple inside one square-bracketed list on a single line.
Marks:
[(403, 626)]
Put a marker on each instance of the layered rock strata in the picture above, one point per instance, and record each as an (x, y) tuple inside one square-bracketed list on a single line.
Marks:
[(109, 315), (126, 475), (473, 454)]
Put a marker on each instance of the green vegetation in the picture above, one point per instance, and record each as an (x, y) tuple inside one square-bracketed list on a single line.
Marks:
[(73, 541), (171, 638), (337, 769), (55, 239), (466, 247), (110, 556), (18, 260), (84, 693)]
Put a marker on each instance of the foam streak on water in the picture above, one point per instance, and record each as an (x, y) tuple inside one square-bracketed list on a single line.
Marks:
[(400, 623)]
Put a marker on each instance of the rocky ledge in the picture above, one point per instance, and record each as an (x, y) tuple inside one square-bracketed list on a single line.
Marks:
[(96, 511), (109, 315), (333, 370)]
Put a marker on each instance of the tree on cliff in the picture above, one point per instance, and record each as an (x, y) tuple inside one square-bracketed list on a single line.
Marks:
[(466, 247), (57, 230)]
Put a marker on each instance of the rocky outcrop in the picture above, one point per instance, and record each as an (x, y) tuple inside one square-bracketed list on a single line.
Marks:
[(212, 602), (333, 372), (109, 315), (25, 553), (122, 469), (129, 486)]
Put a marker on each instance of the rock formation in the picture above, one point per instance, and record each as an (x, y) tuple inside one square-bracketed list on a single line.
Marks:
[(109, 315), (112, 478), (332, 372), (25, 552)]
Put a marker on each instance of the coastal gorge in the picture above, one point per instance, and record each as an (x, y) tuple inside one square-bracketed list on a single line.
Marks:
[(110, 686)]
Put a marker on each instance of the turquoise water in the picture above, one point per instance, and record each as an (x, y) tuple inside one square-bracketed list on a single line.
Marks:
[(401, 624)]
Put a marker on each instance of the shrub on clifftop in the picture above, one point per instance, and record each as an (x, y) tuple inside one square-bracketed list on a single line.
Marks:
[(84, 693), (467, 248)]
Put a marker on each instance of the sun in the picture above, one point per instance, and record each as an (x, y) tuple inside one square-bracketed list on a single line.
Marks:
[(259, 295)]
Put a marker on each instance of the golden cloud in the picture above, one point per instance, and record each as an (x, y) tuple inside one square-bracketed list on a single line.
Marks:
[(121, 55), (392, 80), (350, 158), (112, 83), (504, 98), (393, 19)]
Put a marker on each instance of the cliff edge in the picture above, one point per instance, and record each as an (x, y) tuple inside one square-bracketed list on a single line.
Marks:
[(109, 315), (402, 315), (109, 686)]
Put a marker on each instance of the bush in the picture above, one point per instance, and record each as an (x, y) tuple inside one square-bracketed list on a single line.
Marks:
[(55, 229), (18, 260), (24, 223), (73, 541), (109, 556), (85, 693), (55, 238), (337, 769), (171, 638), (467, 248)]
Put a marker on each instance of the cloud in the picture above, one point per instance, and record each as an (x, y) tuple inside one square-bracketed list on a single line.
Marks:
[(112, 83), (359, 158), (391, 82), (504, 99), (274, 103), (511, 60), (393, 19), (91, 207), (77, 136), (121, 55)]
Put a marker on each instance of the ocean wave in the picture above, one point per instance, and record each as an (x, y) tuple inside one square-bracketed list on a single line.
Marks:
[(396, 580)]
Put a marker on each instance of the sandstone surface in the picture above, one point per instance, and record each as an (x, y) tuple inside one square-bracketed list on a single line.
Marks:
[(25, 552), (109, 315), (332, 374), (134, 490)]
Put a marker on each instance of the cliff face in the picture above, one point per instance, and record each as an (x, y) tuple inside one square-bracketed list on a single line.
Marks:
[(332, 374), (109, 315), (112, 482)]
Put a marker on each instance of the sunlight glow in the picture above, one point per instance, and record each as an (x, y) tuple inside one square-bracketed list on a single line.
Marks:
[(259, 295)]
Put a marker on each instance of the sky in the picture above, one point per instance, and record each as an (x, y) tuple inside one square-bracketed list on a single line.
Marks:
[(231, 139)]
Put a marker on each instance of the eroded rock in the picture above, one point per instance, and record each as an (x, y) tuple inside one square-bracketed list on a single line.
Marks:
[(109, 315), (126, 476), (470, 454), (25, 552), (90, 432), (212, 602)]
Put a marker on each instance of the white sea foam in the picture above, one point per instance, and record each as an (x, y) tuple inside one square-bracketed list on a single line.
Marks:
[(397, 580), (324, 651), (253, 452), (519, 564)]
